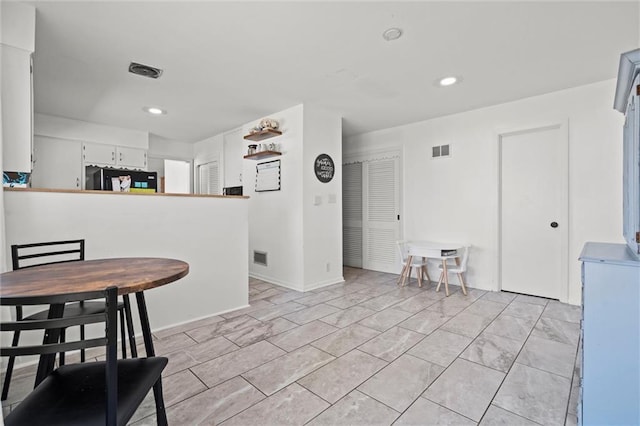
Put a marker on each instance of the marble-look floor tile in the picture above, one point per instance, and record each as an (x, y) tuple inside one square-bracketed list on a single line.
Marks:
[(274, 311), (381, 302), (259, 304), (302, 335), (282, 371), (417, 303), (166, 345), (356, 409), (392, 343), (161, 334), (265, 294), (293, 405), (313, 313), (558, 330), (512, 327), (425, 322), (178, 361), (499, 296), (286, 297), (485, 308), (317, 298), (425, 412), (448, 306), (232, 364), (523, 310), (467, 324), (262, 331), (496, 416), (208, 332), (534, 300), (493, 351), (574, 399), (563, 312), (216, 404), (548, 355), (341, 376), (347, 316), (211, 349), (401, 382), (386, 319), (535, 395), (440, 347), (344, 340), (349, 300), (376, 290), (477, 383)]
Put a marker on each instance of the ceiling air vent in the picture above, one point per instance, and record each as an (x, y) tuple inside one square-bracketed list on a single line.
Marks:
[(144, 70)]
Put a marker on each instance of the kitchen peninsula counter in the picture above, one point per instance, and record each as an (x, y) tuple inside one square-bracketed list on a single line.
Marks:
[(210, 232), (82, 191)]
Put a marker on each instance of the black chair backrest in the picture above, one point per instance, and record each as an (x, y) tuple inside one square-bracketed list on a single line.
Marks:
[(55, 322), (28, 255)]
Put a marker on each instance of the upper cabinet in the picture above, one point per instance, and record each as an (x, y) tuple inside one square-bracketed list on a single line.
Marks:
[(95, 154), (17, 38), (627, 101), (57, 163)]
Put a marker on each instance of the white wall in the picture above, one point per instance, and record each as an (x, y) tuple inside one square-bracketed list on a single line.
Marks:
[(322, 223), (160, 147), (276, 217), (456, 199), (209, 233), (66, 128)]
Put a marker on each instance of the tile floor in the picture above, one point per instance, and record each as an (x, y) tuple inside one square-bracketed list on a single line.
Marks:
[(368, 352)]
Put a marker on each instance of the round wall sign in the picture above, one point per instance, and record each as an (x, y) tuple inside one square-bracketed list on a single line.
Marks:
[(324, 168)]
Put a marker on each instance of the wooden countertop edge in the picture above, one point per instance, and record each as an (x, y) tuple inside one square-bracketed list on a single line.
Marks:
[(146, 194)]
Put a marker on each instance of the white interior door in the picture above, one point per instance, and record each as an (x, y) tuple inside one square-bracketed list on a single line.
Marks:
[(534, 212), (381, 214)]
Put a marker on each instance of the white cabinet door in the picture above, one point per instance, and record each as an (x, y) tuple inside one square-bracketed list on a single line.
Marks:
[(133, 158), (234, 149), (57, 163), (97, 154), (16, 108)]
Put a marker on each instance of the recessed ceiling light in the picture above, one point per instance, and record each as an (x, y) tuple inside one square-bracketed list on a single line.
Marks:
[(154, 110), (392, 34), (448, 81)]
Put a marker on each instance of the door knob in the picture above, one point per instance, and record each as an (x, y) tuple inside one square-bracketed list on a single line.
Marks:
[(554, 224)]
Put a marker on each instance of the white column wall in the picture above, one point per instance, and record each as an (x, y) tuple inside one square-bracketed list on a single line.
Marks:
[(456, 199)]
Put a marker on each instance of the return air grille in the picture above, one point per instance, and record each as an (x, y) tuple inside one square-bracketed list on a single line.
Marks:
[(144, 70), (260, 257)]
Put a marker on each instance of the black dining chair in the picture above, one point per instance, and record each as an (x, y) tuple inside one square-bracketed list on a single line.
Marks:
[(29, 255), (90, 393)]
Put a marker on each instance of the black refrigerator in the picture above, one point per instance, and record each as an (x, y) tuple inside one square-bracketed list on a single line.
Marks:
[(119, 180)]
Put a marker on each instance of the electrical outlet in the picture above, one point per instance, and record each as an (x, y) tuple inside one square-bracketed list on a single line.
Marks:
[(328, 267)]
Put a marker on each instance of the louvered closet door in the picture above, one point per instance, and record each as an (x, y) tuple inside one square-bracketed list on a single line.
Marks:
[(381, 225), (352, 214), (209, 178)]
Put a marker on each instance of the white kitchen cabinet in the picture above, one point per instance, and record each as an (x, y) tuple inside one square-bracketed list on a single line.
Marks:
[(57, 163), (16, 108), (95, 154), (132, 158)]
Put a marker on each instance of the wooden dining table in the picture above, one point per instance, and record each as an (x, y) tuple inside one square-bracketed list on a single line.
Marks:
[(129, 274)]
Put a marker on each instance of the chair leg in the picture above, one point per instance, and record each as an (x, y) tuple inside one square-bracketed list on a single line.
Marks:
[(123, 336), (461, 279), (419, 273), (62, 340), (440, 281), (132, 338), (9, 372), (82, 352), (404, 270), (161, 414)]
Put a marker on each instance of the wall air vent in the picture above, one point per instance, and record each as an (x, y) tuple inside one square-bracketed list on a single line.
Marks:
[(260, 257), (440, 151), (144, 70)]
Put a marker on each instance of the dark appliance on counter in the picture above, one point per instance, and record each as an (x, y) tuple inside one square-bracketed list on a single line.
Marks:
[(232, 190), (119, 180)]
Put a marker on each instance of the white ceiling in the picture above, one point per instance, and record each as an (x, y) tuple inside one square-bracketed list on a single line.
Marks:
[(228, 63)]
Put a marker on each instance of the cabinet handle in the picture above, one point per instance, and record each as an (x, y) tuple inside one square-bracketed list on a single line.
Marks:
[(120, 156), (113, 156), (77, 182)]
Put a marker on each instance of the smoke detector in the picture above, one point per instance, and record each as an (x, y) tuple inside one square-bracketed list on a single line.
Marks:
[(144, 70)]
